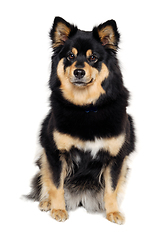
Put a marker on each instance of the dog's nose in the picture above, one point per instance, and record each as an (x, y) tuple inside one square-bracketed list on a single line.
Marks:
[(79, 73)]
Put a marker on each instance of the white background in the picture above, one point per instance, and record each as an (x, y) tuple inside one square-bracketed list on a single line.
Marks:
[(24, 72)]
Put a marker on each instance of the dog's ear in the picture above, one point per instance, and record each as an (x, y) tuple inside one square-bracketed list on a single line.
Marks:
[(61, 31), (108, 34)]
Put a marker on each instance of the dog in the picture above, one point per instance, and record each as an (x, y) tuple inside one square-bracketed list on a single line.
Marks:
[(87, 136)]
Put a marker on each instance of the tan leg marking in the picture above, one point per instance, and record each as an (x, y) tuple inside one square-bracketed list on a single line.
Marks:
[(110, 196), (52, 198)]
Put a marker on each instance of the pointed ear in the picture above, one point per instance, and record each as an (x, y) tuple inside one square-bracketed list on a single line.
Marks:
[(60, 31), (108, 34)]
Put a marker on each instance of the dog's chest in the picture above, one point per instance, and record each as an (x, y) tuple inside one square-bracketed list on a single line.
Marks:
[(93, 146), (66, 142)]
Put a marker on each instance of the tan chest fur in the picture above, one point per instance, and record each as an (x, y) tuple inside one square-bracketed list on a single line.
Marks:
[(112, 145)]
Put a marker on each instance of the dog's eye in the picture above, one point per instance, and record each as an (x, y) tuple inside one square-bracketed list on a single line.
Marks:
[(93, 58), (70, 56)]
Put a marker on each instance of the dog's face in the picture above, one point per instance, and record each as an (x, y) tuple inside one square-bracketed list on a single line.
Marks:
[(83, 59)]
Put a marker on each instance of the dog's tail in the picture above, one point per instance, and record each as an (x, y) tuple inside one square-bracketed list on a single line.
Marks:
[(36, 185), (36, 188)]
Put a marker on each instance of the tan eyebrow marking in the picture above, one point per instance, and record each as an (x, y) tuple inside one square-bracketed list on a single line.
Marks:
[(89, 53), (74, 51)]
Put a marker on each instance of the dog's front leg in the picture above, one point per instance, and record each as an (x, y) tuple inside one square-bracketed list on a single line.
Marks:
[(115, 175), (53, 172)]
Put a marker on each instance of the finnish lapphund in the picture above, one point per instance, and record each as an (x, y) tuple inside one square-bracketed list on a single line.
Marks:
[(87, 136)]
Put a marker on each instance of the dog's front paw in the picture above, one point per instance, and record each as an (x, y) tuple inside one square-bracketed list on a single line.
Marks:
[(116, 217), (59, 215), (45, 205)]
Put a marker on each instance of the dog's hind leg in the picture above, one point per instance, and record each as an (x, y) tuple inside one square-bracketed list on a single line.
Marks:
[(52, 197), (114, 182)]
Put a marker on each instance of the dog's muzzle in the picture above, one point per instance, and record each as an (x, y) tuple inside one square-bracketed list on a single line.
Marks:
[(79, 78)]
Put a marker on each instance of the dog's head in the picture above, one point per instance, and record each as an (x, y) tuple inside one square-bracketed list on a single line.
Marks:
[(83, 62)]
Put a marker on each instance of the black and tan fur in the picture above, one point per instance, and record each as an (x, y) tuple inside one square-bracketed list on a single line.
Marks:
[(87, 135)]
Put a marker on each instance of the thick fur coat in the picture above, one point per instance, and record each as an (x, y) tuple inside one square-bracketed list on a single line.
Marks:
[(87, 135)]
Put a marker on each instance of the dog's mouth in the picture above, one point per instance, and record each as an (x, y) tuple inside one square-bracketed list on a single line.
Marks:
[(81, 82)]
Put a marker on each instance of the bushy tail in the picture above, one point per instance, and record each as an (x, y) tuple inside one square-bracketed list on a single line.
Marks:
[(36, 188)]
